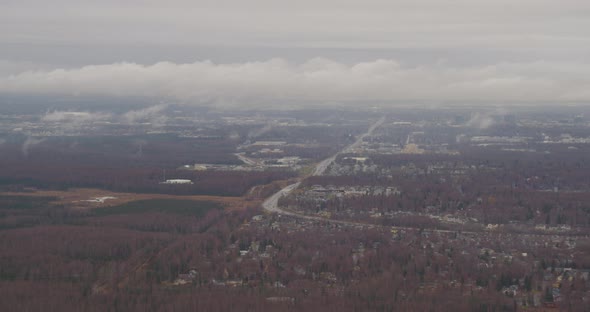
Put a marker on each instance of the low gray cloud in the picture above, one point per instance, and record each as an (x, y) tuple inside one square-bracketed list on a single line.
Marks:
[(73, 120), (480, 121), (315, 80), (8, 67), (504, 24), (152, 114), (75, 117), (29, 143), (384, 50)]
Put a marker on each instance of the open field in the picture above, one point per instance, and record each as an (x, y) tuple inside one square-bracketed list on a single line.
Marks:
[(85, 198)]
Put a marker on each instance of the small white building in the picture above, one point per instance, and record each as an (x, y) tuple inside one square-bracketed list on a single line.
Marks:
[(177, 181)]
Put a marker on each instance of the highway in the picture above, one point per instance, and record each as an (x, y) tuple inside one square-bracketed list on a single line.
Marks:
[(324, 164), (246, 160), (271, 203)]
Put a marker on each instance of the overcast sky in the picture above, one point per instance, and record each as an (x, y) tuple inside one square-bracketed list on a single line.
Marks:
[(326, 50)]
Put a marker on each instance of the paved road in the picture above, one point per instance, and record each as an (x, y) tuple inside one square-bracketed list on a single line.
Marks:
[(323, 165), (271, 203), (246, 160)]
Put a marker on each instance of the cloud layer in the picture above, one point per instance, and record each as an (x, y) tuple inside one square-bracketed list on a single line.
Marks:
[(384, 50), (314, 80), (509, 24)]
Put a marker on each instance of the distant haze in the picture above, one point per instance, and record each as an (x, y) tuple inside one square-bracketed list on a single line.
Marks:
[(271, 51)]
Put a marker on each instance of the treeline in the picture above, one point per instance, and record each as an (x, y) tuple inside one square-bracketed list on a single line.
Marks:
[(470, 197), (158, 150), (128, 261), (486, 184), (141, 180), (118, 164)]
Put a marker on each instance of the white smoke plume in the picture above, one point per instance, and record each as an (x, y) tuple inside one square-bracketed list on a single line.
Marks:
[(150, 114), (258, 132), (29, 143), (480, 121)]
